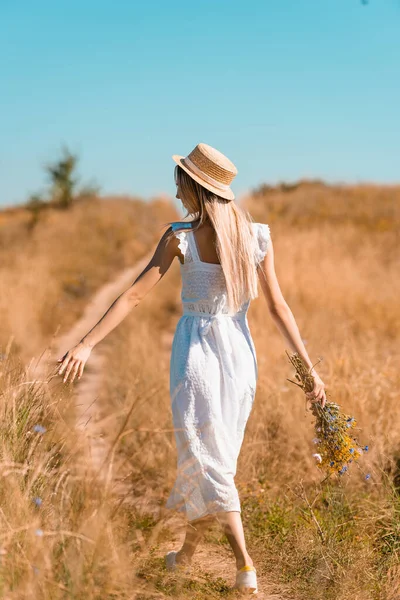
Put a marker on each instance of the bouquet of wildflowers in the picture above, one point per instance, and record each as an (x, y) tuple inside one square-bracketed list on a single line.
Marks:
[(336, 447)]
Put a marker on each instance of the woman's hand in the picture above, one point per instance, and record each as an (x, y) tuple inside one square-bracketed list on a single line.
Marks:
[(73, 362), (318, 392)]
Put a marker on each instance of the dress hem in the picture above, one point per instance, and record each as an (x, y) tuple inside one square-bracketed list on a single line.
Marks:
[(224, 508)]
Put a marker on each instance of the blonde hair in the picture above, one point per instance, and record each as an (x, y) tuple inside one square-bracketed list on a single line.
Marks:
[(234, 237)]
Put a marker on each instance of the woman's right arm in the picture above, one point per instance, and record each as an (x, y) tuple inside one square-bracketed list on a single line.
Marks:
[(284, 319), (74, 360)]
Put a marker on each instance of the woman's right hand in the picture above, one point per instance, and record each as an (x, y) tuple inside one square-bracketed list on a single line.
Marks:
[(74, 361), (318, 393)]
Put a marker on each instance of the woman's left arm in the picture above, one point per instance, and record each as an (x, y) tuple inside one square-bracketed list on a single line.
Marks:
[(74, 360), (285, 321)]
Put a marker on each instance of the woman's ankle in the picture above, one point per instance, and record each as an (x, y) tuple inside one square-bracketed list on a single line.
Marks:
[(182, 557), (244, 560)]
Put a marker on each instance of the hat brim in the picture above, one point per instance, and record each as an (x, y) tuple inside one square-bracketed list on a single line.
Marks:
[(226, 194)]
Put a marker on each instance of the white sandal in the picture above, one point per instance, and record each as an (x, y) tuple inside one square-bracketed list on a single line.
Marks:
[(246, 580)]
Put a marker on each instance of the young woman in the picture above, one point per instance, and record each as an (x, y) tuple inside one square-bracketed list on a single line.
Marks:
[(223, 255)]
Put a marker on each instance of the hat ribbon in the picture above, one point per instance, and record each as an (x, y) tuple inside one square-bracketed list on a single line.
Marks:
[(202, 175)]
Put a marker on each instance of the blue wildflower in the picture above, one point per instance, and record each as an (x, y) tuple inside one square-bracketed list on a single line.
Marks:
[(39, 532), (39, 429), (37, 501), (367, 476), (351, 450), (366, 448), (332, 463)]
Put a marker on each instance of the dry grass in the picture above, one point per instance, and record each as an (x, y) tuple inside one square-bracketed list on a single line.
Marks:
[(337, 257), (49, 274)]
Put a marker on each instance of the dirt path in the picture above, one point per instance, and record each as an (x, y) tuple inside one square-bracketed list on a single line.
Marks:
[(211, 558), (86, 391)]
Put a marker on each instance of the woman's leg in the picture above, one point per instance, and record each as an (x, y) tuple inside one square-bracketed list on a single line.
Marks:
[(194, 533), (231, 522)]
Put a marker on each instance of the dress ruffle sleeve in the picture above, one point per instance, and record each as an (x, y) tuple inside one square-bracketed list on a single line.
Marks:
[(263, 236), (181, 235)]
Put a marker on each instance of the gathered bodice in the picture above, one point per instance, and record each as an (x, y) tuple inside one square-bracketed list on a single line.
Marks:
[(203, 284)]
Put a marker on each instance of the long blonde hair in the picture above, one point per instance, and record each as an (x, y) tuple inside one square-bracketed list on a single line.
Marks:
[(234, 237)]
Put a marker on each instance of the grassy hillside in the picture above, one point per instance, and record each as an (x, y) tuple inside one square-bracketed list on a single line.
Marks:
[(49, 273), (336, 256)]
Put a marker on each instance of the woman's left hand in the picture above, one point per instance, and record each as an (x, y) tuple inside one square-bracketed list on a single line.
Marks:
[(73, 361), (318, 393)]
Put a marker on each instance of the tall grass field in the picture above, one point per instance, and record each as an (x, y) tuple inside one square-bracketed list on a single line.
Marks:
[(67, 533)]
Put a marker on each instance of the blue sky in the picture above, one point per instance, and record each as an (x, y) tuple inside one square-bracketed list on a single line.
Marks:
[(285, 88)]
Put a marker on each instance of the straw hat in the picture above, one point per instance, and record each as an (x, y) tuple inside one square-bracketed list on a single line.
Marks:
[(209, 167)]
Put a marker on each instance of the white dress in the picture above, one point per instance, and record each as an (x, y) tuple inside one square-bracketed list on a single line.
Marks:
[(213, 374)]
